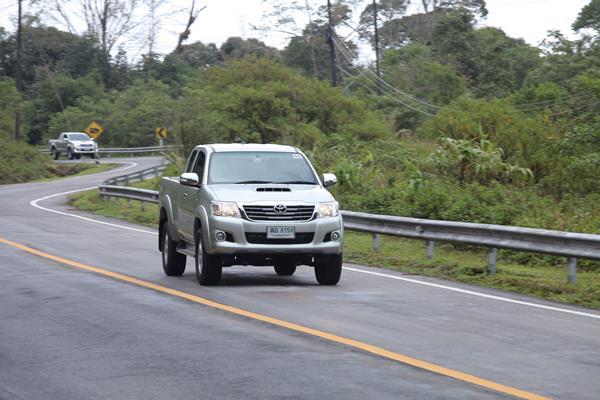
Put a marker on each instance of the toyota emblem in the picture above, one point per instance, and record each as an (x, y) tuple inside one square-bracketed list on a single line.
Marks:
[(280, 209)]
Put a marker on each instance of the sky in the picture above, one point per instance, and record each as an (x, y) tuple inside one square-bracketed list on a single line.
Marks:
[(526, 19)]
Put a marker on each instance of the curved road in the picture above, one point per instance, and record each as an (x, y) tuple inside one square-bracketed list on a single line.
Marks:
[(67, 333)]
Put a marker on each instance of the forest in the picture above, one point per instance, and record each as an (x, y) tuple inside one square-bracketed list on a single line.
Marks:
[(464, 122)]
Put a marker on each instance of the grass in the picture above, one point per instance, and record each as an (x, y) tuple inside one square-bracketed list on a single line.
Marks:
[(470, 266), (408, 256), (72, 170)]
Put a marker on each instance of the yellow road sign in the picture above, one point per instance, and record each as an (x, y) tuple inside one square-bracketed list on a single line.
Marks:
[(94, 129), (161, 133)]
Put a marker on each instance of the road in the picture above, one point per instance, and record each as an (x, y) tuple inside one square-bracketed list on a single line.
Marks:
[(68, 333)]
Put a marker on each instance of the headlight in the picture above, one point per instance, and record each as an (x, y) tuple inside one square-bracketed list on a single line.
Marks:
[(327, 210), (225, 209)]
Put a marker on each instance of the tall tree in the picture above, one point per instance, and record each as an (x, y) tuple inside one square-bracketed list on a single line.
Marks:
[(589, 17)]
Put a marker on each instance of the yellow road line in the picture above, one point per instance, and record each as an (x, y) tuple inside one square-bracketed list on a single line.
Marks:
[(461, 376)]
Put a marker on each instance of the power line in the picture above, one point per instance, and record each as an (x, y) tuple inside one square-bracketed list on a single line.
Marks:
[(349, 56)]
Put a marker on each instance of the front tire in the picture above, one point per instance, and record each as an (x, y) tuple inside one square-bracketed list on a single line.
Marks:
[(208, 269), (328, 269), (69, 153), (173, 262)]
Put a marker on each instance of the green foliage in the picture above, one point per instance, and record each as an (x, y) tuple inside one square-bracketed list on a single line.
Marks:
[(476, 160), (257, 100), (524, 140), (129, 117), (589, 17), (10, 103)]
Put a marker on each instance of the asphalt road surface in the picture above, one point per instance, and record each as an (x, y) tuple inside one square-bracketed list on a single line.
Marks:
[(68, 333)]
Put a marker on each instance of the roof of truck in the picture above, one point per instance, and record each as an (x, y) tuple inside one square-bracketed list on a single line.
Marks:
[(224, 147)]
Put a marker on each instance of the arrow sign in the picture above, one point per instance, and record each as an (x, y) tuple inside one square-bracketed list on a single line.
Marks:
[(161, 133), (94, 129)]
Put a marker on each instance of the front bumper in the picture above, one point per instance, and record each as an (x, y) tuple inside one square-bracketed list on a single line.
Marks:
[(237, 228), (85, 151)]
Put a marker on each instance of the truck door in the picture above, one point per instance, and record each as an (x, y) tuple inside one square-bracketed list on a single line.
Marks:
[(61, 145), (188, 200)]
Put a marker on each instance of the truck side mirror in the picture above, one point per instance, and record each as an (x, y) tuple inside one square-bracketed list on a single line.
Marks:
[(329, 180), (189, 179)]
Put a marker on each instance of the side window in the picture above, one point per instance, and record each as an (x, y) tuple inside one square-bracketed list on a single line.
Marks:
[(190, 161), (199, 167)]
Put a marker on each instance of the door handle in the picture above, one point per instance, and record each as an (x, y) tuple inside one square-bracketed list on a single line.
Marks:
[(185, 194)]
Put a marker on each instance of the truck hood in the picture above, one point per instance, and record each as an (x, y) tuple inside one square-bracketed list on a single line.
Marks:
[(247, 194)]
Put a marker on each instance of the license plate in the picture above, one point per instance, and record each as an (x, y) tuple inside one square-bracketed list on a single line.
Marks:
[(281, 232)]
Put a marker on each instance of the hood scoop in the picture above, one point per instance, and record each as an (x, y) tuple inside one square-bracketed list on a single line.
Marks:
[(273, 189)]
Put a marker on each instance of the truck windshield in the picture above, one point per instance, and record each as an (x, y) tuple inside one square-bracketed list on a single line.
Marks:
[(260, 167), (78, 136)]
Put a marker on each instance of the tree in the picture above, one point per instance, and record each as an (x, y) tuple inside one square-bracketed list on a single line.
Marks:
[(387, 10), (589, 17), (236, 47), (196, 55), (310, 53), (258, 100), (10, 103), (475, 7)]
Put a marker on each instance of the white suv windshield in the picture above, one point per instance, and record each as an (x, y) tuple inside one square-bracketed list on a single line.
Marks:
[(260, 167), (78, 136)]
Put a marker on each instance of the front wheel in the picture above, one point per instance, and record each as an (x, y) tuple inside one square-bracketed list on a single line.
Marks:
[(208, 269), (328, 269), (69, 153), (173, 262)]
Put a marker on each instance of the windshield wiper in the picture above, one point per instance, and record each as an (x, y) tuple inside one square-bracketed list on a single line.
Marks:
[(242, 182), (298, 182)]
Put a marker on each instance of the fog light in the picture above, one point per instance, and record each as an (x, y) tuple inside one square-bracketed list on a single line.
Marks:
[(335, 236), (220, 236)]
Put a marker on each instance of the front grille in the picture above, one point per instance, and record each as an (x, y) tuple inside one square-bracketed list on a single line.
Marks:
[(273, 189), (267, 213), (261, 238)]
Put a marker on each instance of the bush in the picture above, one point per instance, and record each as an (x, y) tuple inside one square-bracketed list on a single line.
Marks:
[(20, 162)]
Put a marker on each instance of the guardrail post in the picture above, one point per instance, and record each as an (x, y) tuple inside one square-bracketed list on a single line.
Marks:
[(572, 270), (156, 172), (376, 242), (430, 249), (142, 206), (128, 203), (492, 255)]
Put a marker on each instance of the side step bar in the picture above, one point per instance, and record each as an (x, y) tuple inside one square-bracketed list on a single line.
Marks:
[(184, 249)]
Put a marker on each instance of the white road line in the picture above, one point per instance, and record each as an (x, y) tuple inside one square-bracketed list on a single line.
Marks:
[(35, 204), (473, 293)]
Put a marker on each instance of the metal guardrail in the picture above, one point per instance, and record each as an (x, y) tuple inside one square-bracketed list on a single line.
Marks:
[(567, 244), (153, 172), (130, 150)]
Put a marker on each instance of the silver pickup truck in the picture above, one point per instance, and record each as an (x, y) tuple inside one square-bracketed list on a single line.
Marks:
[(250, 204), (73, 145)]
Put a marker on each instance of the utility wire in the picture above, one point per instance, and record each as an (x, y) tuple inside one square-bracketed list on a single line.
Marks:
[(349, 58), (349, 55)]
